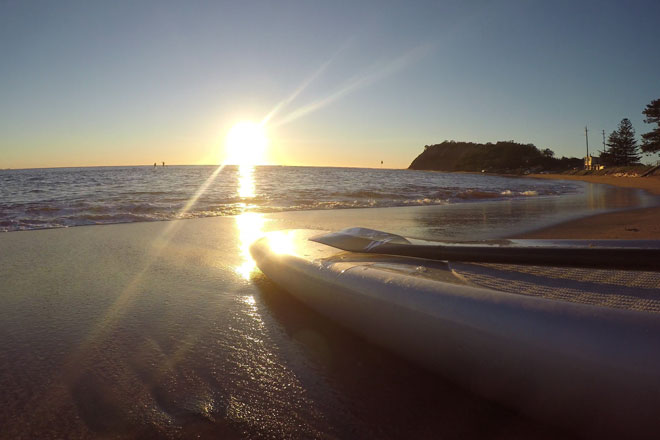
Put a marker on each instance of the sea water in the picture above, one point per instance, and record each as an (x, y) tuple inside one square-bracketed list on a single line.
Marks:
[(63, 197)]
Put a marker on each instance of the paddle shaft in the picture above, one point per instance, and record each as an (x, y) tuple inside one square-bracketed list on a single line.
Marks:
[(596, 257)]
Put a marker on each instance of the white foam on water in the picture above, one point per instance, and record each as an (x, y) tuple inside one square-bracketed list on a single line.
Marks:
[(62, 197)]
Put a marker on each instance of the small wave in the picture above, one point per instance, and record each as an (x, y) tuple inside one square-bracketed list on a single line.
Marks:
[(45, 198), (111, 218), (41, 209), (369, 194), (476, 194), (138, 207), (425, 201)]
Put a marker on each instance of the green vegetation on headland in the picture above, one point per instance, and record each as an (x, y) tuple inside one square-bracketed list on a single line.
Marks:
[(513, 158), (502, 157)]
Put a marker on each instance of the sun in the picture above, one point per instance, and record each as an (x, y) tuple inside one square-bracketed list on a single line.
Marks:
[(245, 144)]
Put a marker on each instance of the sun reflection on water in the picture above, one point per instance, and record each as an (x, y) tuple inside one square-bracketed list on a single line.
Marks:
[(246, 181), (249, 224), (250, 227)]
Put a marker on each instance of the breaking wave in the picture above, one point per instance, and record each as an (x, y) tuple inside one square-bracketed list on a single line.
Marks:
[(48, 198)]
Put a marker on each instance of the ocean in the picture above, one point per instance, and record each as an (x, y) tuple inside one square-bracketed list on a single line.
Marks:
[(65, 197)]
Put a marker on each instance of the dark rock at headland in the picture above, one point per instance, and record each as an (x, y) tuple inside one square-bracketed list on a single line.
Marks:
[(501, 157)]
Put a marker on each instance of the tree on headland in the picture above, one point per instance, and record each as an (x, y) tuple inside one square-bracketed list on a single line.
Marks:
[(651, 140), (548, 153), (623, 149)]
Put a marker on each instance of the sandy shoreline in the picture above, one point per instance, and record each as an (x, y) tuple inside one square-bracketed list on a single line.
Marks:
[(630, 224)]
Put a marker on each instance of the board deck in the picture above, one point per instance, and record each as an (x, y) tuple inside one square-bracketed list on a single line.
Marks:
[(576, 347)]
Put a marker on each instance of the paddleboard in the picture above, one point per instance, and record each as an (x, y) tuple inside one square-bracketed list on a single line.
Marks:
[(579, 348)]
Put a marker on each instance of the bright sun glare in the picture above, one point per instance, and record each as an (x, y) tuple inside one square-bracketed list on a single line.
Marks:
[(245, 144)]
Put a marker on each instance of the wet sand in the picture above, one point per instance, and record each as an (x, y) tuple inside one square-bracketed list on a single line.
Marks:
[(628, 224), (151, 330)]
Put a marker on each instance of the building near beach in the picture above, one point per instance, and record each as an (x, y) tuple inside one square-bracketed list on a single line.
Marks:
[(593, 163)]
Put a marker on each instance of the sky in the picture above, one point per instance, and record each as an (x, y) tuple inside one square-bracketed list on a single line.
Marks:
[(87, 83)]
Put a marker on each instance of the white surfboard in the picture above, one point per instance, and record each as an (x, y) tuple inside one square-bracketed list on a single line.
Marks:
[(577, 347)]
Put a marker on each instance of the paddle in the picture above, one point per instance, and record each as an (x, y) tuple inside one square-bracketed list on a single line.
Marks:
[(615, 254)]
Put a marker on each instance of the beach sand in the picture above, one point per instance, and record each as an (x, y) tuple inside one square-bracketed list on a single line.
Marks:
[(157, 330), (628, 224)]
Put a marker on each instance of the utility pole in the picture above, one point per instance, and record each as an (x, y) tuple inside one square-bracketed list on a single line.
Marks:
[(603, 140), (587, 160), (586, 138)]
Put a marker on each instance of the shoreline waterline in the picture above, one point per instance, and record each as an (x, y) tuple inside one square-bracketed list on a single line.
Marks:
[(651, 184), (91, 196), (626, 224), (464, 221)]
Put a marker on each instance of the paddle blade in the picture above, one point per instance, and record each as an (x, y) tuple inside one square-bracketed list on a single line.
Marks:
[(359, 239)]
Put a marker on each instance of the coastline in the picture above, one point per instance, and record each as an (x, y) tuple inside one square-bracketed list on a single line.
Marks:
[(641, 223)]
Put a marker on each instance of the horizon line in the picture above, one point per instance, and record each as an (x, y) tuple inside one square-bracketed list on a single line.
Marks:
[(192, 165)]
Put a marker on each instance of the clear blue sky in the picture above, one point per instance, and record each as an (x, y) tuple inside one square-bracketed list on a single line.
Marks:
[(109, 83)]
